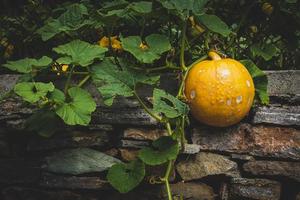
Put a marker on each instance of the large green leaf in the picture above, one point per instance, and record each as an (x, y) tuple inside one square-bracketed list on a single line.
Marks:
[(260, 80), (74, 18), (44, 122), (214, 23), (267, 51), (26, 65), (79, 161), (167, 104), (157, 44), (183, 8), (163, 149), (125, 177), (77, 108), (114, 82), (141, 7), (79, 52), (33, 91)]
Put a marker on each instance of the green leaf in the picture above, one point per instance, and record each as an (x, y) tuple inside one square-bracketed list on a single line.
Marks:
[(114, 82), (214, 23), (125, 177), (182, 8), (167, 104), (141, 7), (57, 96), (77, 108), (26, 65), (74, 18), (157, 44), (33, 91), (43, 122), (79, 161), (260, 80), (79, 52), (267, 51), (163, 149), (291, 1)]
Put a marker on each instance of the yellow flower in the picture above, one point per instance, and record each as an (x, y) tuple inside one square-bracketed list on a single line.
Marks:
[(144, 46), (115, 43), (267, 8), (64, 68)]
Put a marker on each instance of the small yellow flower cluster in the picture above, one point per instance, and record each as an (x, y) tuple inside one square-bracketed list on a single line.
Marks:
[(143, 46), (115, 43), (60, 68)]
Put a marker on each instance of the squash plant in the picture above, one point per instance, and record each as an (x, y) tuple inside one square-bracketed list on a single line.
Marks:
[(118, 46)]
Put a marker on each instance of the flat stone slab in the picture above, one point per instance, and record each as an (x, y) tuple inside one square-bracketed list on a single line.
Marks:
[(27, 193), (256, 189), (282, 82), (72, 182), (283, 115), (190, 191), (206, 164), (258, 140), (19, 171), (69, 140), (274, 168)]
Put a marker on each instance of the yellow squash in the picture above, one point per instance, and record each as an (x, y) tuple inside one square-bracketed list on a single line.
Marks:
[(220, 92)]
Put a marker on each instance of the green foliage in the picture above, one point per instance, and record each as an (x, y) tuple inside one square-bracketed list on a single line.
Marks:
[(170, 106), (156, 37), (77, 107), (79, 52), (74, 18), (33, 91), (155, 45), (266, 52), (215, 24), (260, 80), (125, 177), (163, 149), (26, 65), (114, 82)]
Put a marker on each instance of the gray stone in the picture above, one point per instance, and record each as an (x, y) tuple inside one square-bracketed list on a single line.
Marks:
[(207, 164), (72, 182), (274, 168), (4, 148), (134, 144), (283, 82), (191, 191), (144, 134), (128, 116), (19, 171), (69, 140), (242, 157), (23, 193), (259, 140), (254, 189), (79, 161), (298, 196), (289, 115)]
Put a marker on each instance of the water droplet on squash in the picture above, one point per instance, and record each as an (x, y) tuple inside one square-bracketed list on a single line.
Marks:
[(239, 99), (248, 83), (228, 102), (193, 94)]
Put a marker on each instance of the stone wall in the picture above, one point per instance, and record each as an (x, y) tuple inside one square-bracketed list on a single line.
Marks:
[(256, 159)]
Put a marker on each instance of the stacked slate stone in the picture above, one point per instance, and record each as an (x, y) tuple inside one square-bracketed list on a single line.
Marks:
[(256, 159)]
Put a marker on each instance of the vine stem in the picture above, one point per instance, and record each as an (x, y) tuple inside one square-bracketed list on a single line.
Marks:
[(166, 179), (67, 85), (155, 116), (182, 48), (180, 91), (84, 80)]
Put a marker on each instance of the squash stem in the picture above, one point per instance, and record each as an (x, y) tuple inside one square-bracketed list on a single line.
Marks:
[(182, 48)]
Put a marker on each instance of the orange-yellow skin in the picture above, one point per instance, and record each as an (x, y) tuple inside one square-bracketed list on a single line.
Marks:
[(220, 92)]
